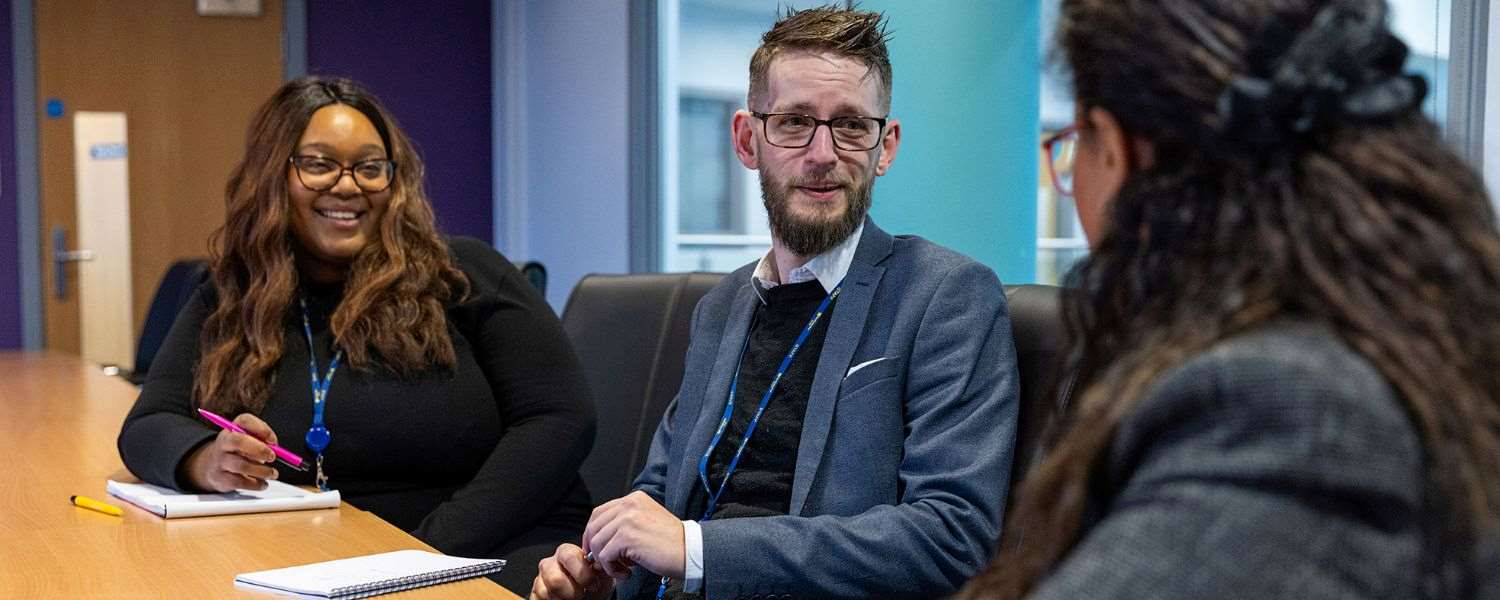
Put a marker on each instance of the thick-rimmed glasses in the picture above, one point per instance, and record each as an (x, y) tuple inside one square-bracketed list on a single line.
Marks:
[(321, 174), (1060, 147), (791, 130)]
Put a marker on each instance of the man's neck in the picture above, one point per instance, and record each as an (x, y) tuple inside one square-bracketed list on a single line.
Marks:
[(786, 261)]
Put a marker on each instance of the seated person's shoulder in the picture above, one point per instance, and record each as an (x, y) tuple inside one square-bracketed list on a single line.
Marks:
[(724, 291), (473, 251), (1289, 379), (928, 260), (485, 267), (1300, 357)]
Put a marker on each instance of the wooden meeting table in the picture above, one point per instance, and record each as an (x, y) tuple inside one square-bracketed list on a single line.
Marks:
[(59, 417)]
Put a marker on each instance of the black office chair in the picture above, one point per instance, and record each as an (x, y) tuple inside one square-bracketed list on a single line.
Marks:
[(176, 287), (1037, 329), (535, 273), (631, 335)]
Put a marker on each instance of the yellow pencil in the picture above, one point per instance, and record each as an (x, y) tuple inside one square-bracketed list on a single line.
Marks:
[(95, 505)]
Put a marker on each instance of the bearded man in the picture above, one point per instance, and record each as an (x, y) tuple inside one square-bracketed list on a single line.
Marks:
[(847, 415)]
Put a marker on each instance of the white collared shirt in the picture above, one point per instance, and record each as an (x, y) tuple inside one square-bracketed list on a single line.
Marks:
[(829, 268)]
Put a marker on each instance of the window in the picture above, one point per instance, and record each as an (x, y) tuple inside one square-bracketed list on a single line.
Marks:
[(708, 197), (1424, 25), (712, 215), (1059, 237)]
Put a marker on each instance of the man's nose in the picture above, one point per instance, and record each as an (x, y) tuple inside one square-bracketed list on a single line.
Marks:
[(821, 149)]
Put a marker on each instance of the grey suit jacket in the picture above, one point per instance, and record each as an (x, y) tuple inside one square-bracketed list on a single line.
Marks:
[(902, 470), (1278, 464)]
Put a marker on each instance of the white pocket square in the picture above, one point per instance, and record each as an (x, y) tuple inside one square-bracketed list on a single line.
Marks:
[(862, 365)]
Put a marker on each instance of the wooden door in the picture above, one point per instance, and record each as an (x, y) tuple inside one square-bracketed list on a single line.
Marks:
[(188, 86)]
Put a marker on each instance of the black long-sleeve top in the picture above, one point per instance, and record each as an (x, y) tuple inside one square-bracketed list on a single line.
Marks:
[(464, 459)]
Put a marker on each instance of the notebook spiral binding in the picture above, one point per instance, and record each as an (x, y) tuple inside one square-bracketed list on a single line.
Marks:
[(389, 586)]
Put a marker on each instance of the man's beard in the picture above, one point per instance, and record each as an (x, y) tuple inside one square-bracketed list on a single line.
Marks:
[(809, 237)]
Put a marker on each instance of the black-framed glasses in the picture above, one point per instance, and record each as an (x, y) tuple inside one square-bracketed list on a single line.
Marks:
[(1060, 148), (792, 130), (321, 174)]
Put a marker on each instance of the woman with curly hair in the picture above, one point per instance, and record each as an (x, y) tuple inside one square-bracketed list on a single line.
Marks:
[(423, 378), (1286, 337)]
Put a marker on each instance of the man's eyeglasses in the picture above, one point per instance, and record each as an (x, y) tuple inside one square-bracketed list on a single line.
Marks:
[(1060, 147), (791, 130), (321, 174)]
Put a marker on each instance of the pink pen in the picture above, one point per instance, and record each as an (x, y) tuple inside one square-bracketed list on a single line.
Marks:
[(286, 457)]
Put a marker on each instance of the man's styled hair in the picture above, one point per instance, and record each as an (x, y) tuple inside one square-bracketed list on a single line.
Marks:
[(843, 30)]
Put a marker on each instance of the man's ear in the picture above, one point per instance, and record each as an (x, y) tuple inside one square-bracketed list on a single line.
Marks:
[(742, 134), (888, 146)]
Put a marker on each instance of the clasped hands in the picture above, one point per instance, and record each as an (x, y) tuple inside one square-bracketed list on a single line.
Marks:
[(622, 533)]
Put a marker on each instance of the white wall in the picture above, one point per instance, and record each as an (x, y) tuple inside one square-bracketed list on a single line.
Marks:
[(564, 172)]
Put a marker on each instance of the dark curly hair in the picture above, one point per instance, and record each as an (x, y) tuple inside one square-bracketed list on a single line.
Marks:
[(1294, 175)]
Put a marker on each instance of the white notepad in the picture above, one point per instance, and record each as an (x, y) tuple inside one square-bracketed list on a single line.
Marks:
[(172, 504), (371, 575)]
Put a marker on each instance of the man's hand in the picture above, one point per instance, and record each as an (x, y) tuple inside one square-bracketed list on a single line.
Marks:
[(568, 575), (234, 460), (635, 530)]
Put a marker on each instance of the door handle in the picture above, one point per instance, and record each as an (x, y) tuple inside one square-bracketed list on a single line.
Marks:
[(61, 256)]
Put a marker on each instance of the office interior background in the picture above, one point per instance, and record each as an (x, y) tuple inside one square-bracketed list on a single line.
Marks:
[(589, 135)]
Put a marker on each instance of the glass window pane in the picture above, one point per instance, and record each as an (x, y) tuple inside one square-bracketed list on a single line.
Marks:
[(705, 182), (1423, 24), (712, 210)]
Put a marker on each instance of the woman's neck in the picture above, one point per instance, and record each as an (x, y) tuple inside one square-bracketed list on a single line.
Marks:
[(321, 273)]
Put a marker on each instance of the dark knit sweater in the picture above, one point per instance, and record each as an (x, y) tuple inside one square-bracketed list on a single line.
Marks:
[(762, 482), (465, 459)]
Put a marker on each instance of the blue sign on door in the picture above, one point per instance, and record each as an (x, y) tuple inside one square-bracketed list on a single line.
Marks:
[(108, 151)]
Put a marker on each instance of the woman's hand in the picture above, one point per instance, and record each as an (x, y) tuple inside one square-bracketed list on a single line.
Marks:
[(234, 460)]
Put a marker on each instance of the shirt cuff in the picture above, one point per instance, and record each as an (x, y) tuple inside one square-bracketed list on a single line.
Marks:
[(692, 568)]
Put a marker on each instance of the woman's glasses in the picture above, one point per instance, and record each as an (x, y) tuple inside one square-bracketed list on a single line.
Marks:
[(1060, 147), (321, 174)]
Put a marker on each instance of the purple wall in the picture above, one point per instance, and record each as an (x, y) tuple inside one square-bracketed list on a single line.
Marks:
[(10, 259), (430, 63)]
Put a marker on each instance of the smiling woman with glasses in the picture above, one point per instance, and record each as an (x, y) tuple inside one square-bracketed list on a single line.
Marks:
[(421, 377)]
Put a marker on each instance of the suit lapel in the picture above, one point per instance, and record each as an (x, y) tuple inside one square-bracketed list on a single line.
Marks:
[(844, 333), (715, 396)]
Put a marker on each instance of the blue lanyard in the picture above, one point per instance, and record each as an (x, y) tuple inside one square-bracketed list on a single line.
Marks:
[(318, 436), (765, 399)]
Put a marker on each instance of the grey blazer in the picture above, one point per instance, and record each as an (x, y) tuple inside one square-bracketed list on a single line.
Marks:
[(1278, 464), (902, 470)]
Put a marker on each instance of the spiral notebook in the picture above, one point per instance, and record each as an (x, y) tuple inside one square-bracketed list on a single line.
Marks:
[(364, 576)]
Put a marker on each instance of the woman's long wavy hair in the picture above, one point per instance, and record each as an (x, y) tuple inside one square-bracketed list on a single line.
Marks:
[(392, 313), (1279, 188)]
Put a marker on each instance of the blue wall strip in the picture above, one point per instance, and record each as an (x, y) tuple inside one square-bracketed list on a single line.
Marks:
[(25, 183)]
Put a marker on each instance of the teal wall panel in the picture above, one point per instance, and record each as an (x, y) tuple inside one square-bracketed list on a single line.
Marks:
[(966, 91)]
